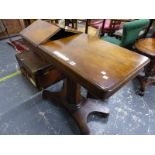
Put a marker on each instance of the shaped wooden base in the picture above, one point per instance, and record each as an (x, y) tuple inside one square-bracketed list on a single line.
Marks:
[(78, 106)]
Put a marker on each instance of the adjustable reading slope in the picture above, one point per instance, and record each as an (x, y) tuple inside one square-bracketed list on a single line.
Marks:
[(40, 31), (63, 33)]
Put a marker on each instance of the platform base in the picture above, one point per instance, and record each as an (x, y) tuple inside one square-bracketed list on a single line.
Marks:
[(79, 111)]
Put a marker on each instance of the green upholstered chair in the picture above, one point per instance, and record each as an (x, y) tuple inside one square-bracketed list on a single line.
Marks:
[(131, 32)]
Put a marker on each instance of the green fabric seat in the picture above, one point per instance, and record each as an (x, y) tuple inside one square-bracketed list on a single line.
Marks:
[(131, 32), (112, 40)]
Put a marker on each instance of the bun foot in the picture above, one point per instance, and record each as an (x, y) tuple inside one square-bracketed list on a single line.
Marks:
[(140, 93)]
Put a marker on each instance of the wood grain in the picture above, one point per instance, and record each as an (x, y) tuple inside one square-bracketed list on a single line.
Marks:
[(146, 46), (39, 32)]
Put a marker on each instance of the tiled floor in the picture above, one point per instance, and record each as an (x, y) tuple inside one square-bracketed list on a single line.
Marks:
[(23, 111)]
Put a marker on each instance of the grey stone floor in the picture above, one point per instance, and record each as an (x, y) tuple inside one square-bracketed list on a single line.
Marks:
[(23, 111)]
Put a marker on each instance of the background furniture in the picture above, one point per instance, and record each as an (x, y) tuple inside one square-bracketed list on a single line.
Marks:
[(150, 31), (131, 32), (148, 28), (39, 72), (28, 22), (73, 23), (2, 26), (87, 24), (9, 28), (108, 26), (146, 47)]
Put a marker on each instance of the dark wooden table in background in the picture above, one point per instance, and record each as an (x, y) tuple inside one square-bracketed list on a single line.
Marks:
[(146, 47)]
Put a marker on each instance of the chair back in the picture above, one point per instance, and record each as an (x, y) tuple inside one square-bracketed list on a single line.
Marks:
[(109, 26), (131, 31)]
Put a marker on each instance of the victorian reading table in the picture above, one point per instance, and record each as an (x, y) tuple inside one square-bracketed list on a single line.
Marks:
[(101, 67)]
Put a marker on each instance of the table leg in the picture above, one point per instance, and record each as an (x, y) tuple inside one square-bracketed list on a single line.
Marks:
[(143, 85), (147, 79), (87, 24), (78, 106)]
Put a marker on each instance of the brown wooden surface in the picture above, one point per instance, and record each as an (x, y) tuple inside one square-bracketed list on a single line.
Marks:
[(89, 58), (146, 46), (39, 32)]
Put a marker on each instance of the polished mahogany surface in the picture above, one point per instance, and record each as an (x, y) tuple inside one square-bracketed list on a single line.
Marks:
[(94, 63), (39, 32), (146, 46)]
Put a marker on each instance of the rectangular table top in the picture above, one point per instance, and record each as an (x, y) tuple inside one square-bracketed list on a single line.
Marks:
[(97, 65)]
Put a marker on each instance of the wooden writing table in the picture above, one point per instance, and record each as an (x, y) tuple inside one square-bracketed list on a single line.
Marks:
[(101, 67)]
